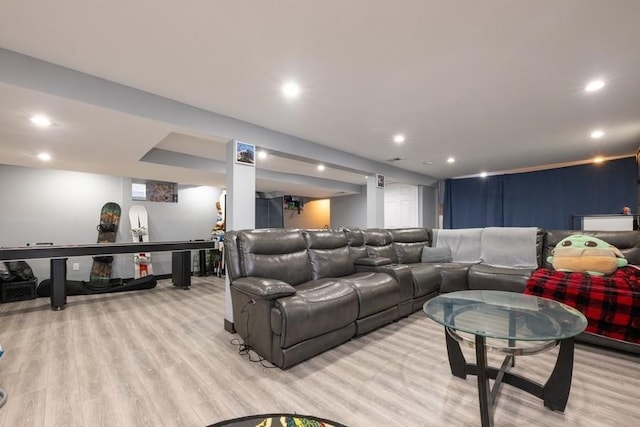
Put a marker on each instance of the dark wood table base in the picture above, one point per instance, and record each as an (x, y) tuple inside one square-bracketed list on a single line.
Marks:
[(554, 393)]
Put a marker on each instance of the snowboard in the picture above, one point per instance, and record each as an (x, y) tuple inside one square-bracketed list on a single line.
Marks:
[(107, 231), (140, 233)]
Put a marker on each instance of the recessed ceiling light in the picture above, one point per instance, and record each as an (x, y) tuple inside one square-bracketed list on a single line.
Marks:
[(398, 139), (40, 120), (45, 157), (451, 160), (320, 167), (594, 85), (598, 159), (291, 89), (598, 133), (483, 174), (262, 154)]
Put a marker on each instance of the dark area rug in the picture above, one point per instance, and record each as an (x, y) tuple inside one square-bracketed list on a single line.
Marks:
[(278, 420)]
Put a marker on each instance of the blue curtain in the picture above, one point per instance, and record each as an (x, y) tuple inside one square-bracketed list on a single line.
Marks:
[(545, 199), (473, 202)]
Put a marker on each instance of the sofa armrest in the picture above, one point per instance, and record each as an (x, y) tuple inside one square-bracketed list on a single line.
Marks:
[(262, 288), (375, 261)]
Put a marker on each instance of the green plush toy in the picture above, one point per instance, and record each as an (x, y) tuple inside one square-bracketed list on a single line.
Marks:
[(586, 254)]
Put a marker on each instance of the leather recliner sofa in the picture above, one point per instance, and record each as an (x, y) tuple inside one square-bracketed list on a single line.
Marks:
[(297, 293)]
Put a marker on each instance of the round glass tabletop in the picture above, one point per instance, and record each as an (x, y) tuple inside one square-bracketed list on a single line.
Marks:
[(505, 315)]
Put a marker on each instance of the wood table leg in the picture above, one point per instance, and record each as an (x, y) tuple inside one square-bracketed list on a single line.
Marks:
[(556, 389), (457, 361), (484, 391)]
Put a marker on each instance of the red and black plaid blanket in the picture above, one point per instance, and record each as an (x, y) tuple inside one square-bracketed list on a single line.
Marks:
[(611, 303)]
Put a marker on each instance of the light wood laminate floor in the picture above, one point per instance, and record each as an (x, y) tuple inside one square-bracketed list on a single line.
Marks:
[(161, 357)]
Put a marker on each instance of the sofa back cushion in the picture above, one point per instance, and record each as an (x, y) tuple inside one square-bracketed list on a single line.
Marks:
[(436, 255), (408, 244), (357, 249), (274, 254), (627, 241), (328, 253), (380, 244)]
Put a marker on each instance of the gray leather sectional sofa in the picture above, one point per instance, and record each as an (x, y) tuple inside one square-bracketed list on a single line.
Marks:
[(296, 293)]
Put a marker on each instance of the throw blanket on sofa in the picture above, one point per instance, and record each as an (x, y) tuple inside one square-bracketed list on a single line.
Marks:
[(611, 304), (464, 243), (510, 247)]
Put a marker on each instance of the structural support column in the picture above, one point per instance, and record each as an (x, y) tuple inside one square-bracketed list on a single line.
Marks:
[(241, 210), (375, 203)]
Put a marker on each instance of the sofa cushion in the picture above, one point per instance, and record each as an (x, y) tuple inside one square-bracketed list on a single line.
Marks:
[(482, 276), (409, 253), (426, 279), (464, 243), (408, 243), (509, 247), (430, 254), (454, 279), (318, 307), (383, 251), (380, 244), (331, 262), (376, 291), (275, 254), (329, 254), (357, 249), (410, 235)]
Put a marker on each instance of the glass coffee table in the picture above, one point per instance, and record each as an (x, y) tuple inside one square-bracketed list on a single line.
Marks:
[(513, 324)]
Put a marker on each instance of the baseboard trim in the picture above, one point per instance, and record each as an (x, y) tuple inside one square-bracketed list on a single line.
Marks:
[(229, 326)]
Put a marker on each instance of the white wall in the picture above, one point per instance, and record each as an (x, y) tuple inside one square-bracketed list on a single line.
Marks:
[(192, 218), (62, 207), (315, 214), (349, 211), (428, 204)]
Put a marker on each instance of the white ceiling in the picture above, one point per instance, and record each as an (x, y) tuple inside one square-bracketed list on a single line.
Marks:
[(497, 84)]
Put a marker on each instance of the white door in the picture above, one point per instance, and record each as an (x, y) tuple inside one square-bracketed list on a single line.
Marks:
[(400, 206)]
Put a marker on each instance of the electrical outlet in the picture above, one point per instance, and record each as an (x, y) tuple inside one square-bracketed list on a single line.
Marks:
[(76, 266)]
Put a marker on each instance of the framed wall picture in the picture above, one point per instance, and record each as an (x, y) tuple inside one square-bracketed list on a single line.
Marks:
[(379, 181), (245, 153)]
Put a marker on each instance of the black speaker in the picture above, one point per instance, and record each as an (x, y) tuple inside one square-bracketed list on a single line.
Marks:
[(181, 269)]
